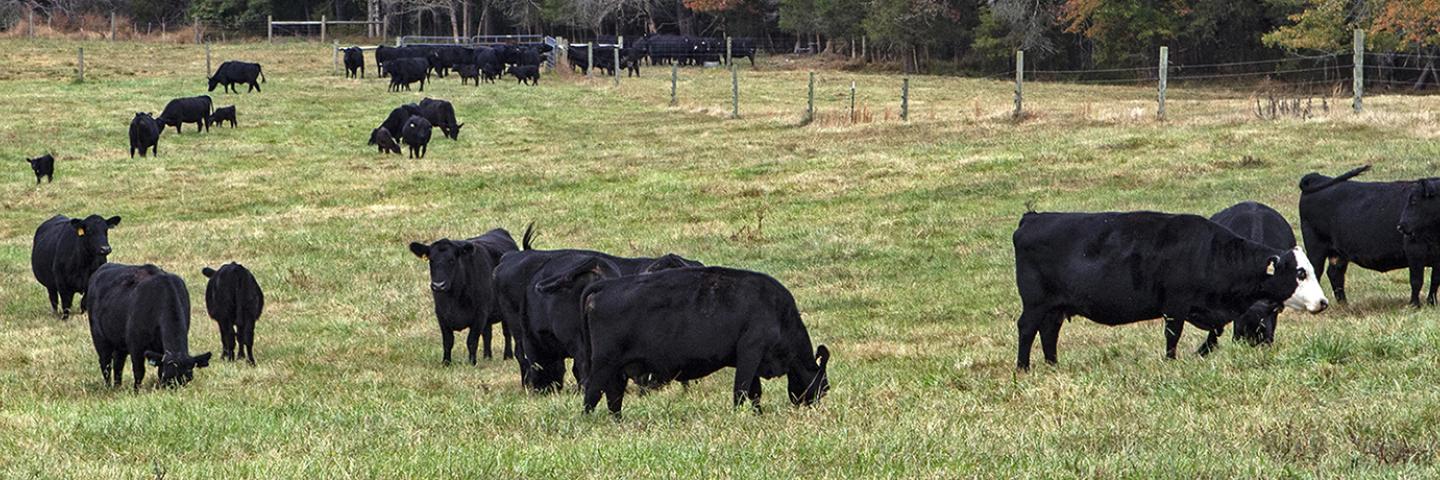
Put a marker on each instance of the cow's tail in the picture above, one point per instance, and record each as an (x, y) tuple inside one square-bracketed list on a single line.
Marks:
[(262, 73), (528, 237), (1314, 183)]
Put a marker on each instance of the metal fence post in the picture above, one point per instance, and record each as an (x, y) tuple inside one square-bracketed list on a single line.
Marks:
[(1164, 70), (1359, 70), (1019, 83)]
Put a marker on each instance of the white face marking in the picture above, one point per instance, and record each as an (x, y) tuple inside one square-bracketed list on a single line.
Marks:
[(1308, 295)]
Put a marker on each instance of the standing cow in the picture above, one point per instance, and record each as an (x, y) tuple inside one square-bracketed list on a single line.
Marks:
[(462, 288), (186, 110), (66, 252), (142, 312), (234, 300), (220, 116), (1348, 222), (1261, 224), (405, 71), (43, 166), (686, 323), (144, 134), (233, 72), (1124, 267), (354, 63), (416, 135)]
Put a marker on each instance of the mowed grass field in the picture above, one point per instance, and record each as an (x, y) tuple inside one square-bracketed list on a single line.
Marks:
[(894, 238)]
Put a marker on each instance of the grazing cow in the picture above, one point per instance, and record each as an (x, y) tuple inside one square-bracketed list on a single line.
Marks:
[(233, 72), (416, 134), (220, 116), (396, 121), (354, 63), (381, 138), (44, 167), (66, 252), (1348, 222), (526, 74), (405, 71), (442, 115), (186, 110), (686, 323), (1261, 224), (144, 134), (462, 287), (1124, 267), (234, 299), (142, 312), (468, 72)]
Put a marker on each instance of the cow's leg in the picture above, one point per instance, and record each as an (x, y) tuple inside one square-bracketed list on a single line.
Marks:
[(1434, 285), (1029, 325), (1050, 336), (105, 356), (1173, 327), (54, 300), (248, 338), (137, 366), (117, 364), (747, 365), (447, 341), (472, 343), (1337, 269), (227, 340), (593, 391), (66, 297), (755, 394), (1210, 342), (487, 333), (1417, 280), (505, 332)]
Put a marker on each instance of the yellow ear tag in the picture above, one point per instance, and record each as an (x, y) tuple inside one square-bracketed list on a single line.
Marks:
[(81, 232), (1270, 268), (425, 257)]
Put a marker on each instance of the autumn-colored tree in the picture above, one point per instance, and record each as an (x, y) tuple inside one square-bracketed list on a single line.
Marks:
[(1125, 32)]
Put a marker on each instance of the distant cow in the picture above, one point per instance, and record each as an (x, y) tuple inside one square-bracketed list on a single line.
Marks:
[(382, 140), (186, 110), (234, 300), (1261, 224), (44, 167), (66, 252), (630, 58), (395, 122), (468, 72), (221, 115), (526, 74), (461, 285), (416, 135), (1124, 267), (144, 134), (442, 58), (1345, 221), (142, 312), (354, 63), (684, 324), (442, 115), (405, 71), (534, 55), (233, 72)]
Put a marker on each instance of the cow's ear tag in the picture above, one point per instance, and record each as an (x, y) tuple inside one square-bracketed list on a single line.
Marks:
[(80, 232), (1270, 268), (427, 258)]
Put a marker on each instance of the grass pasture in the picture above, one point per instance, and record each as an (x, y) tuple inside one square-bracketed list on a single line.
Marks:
[(895, 239)]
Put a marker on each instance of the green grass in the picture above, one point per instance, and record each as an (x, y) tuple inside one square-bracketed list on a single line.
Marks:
[(895, 239)]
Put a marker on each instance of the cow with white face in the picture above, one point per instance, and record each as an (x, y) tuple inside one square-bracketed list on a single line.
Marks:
[(1124, 267)]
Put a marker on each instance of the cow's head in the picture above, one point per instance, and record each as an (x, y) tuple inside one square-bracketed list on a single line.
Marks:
[(452, 131), (811, 381), (1257, 325), (1290, 280), (447, 259), (213, 82), (381, 136), (578, 276), (1421, 217), (94, 233), (177, 369)]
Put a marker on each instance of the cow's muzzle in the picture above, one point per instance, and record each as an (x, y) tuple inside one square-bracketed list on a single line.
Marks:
[(439, 286)]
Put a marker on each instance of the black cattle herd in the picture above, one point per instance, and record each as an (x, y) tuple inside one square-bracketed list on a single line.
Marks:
[(655, 320)]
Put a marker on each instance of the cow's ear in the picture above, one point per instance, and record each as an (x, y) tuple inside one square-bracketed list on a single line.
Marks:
[(153, 358), (420, 250), (208, 272), (112, 221), (30, 161), (203, 360), (1270, 265), (822, 355), (467, 248)]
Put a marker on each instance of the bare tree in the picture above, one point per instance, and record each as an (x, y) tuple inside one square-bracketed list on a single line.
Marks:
[(436, 8)]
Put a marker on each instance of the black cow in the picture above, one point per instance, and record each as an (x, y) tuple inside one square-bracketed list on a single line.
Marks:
[(220, 116), (234, 299), (442, 115), (534, 55), (143, 312), (381, 138), (354, 63), (233, 72), (416, 134), (462, 287), (66, 252), (579, 58), (1361, 222), (468, 72), (445, 57), (186, 110), (491, 72), (526, 74), (144, 134), (405, 71), (1124, 267), (44, 167), (488, 60), (630, 60), (395, 123), (1261, 224), (684, 324), (508, 54)]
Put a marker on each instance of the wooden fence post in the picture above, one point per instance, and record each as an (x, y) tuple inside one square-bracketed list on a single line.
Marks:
[(589, 58), (619, 45), (112, 25), (30, 24), (80, 72), (196, 27), (727, 50), (385, 27), (852, 102), (207, 60), (905, 100), (734, 89), (810, 101), (674, 78), (1019, 83), (863, 57), (1164, 71), (322, 29), (335, 58), (270, 28), (1359, 70)]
